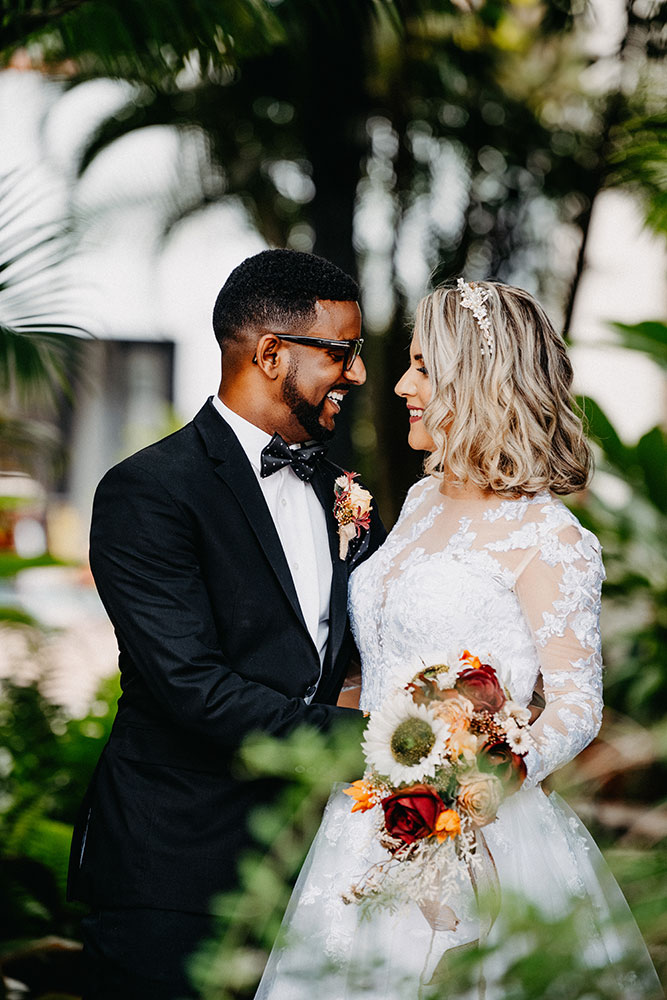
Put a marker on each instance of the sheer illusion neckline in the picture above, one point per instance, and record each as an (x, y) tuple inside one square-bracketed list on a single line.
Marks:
[(447, 515)]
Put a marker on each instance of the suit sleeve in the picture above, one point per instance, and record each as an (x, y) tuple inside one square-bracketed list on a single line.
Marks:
[(144, 560)]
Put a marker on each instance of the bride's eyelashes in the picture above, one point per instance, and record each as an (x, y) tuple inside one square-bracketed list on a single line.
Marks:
[(422, 370)]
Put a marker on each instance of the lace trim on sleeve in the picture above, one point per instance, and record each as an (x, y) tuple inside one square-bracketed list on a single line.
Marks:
[(559, 593)]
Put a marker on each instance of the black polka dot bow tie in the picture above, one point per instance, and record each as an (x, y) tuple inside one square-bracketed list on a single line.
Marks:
[(303, 460)]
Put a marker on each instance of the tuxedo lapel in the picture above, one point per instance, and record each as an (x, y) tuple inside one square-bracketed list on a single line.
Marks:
[(234, 469), (322, 483)]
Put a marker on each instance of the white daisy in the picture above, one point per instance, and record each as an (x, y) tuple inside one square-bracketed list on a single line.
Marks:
[(519, 740), (404, 742)]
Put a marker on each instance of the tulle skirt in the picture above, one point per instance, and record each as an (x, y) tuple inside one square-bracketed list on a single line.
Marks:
[(543, 856)]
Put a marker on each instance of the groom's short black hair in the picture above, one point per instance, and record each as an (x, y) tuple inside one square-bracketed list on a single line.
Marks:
[(278, 288)]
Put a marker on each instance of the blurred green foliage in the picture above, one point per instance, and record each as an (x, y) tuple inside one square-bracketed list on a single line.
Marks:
[(472, 130), (399, 138), (11, 564), (46, 761), (308, 763), (633, 533), (37, 350), (140, 41), (643, 876), (649, 338), (548, 963)]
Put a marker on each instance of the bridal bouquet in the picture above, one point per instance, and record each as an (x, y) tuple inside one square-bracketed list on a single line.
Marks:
[(442, 753)]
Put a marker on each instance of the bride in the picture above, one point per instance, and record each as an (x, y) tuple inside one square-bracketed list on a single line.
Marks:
[(484, 556)]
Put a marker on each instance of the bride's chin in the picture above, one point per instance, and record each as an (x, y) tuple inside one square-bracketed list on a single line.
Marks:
[(420, 441)]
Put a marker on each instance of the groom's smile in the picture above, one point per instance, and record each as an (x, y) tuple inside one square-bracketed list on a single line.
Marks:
[(292, 379), (317, 381)]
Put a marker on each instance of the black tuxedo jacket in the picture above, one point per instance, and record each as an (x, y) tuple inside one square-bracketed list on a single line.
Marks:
[(213, 646)]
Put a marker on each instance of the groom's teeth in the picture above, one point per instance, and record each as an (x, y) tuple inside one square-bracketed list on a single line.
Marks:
[(337, 397)]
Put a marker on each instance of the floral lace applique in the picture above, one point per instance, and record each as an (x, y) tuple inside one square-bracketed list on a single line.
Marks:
[(416, 496), (511, 510), (519, 581)]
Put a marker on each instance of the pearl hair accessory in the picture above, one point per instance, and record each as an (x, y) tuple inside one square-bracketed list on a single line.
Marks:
[(474, 298)]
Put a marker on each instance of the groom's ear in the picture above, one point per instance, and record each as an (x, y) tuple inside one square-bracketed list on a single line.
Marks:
[(267, 355)]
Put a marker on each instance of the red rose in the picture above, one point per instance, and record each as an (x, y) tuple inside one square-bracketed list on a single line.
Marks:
[(482, 686), (411, 813), (497, 757)]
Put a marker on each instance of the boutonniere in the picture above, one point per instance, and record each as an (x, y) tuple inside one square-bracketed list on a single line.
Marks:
[(352, 510)]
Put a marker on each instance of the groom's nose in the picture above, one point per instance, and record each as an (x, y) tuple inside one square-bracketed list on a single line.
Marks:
[(357, 373)]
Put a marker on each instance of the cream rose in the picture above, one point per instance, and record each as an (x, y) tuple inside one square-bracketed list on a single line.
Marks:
[(463, 743), (480, 795), (360, 499), (351, 509), (455, 710)]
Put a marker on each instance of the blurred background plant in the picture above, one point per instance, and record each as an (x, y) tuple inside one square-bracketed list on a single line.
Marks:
[(547, 963), (408, 141)]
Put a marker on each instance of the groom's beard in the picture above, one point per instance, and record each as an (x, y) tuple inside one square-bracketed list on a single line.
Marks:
[(308, 414)]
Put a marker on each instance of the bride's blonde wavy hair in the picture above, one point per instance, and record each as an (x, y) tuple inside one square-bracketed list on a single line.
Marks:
[(503, 420)]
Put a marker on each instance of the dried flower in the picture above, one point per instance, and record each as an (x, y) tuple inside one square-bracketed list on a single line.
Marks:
[(352, 510)]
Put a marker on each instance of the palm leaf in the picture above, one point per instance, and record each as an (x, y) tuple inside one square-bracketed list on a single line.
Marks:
[(135, 40), (638, 161), (38, 351), (600, 428), (649, 337), (30, 443)]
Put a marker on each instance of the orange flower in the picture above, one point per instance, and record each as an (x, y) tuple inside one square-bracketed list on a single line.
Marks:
[(473, 661), (362, 793), (448, 824)]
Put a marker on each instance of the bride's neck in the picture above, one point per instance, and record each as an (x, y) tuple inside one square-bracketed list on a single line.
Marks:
[(465, 491)]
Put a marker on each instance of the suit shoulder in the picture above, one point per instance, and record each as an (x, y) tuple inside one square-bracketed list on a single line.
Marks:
[(161, 460)]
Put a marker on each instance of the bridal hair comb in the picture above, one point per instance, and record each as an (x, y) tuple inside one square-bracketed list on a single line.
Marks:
[(474, 298)]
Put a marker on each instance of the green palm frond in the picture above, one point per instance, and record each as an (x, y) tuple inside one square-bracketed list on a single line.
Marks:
[(38, 337), (648, 337), (135, 40), (639, 162)]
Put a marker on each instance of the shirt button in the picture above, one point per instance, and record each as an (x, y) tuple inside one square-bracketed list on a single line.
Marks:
[(296, 567), (284, 502)]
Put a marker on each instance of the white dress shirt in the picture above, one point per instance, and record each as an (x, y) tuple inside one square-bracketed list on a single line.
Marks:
[(301, 525)]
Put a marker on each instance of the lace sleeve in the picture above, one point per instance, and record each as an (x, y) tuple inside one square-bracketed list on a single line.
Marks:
[(559, 594)]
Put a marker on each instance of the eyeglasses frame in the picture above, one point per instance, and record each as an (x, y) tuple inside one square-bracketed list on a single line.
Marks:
[(351, 348)]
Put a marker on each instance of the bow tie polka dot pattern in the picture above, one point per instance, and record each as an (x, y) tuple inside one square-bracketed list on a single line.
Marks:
[(303, 460)]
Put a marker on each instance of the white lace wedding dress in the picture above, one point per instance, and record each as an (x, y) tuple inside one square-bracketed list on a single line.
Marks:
[(518, 581)]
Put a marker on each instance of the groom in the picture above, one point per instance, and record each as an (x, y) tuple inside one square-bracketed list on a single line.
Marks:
[(216, 554)]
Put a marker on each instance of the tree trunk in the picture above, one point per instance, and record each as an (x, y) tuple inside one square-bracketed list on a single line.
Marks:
[(332, 110), (612, 116)]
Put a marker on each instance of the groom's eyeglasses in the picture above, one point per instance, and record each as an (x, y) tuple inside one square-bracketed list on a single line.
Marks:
[(349, 350)]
